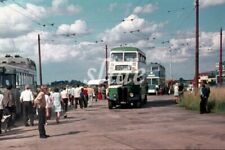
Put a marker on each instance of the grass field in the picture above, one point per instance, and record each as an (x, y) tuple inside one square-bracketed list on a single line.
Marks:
[(216, 102)]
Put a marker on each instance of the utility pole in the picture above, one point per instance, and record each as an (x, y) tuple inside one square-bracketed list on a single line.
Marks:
[(197, 45), (171, 77), (39, 53), (106, 62), (220, 59)]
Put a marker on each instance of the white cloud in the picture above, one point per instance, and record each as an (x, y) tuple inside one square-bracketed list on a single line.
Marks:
[(121, 32), (58, 3), (15, 20), (54, 48), (72, 9), (79, 27), (62, 7), (149, 8), (208, 3), (183, 48), (36, 12)]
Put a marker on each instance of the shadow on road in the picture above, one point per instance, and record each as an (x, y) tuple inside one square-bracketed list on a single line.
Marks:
[(66, 121), (17, 131), (2, 137), (159, 103), (155, 103), (68, 133)]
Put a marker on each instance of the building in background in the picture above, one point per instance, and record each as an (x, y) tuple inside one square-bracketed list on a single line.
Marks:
[(223, 73)]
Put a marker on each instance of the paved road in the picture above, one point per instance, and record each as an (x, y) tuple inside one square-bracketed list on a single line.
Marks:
[(159, 125)]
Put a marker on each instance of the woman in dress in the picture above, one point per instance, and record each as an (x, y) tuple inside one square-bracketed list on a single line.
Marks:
[(176, 92), (56, 98)]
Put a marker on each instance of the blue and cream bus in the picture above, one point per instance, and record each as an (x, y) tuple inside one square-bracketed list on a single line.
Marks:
[(156, 78)]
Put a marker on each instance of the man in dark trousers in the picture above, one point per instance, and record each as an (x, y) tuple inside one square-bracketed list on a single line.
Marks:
[(9, 105), (41, 104), (26, 97), (204, 95)]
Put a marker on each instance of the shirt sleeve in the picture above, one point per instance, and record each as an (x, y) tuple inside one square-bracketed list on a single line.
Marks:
[(31, 96), (21, 96)]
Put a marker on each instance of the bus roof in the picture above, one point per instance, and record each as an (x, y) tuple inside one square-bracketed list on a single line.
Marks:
[(17, 61), (132, 49)]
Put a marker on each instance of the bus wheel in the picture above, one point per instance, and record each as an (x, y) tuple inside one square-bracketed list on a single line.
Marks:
[(110, 104), (146, 99), (138, 104)]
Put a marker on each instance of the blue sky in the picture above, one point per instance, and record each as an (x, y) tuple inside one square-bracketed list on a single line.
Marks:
[(75, 57)]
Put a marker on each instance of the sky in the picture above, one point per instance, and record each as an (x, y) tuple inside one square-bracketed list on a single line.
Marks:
[(74, 34)]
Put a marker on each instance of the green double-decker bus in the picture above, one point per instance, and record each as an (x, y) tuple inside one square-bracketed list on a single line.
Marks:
[(127, 77)]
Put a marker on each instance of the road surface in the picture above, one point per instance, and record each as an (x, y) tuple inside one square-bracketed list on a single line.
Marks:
[(159, 125)]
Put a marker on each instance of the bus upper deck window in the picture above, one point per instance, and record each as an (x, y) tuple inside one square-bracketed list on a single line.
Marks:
[(130, 56), (117, 56)]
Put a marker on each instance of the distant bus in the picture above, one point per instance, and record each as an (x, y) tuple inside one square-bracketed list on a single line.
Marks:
[(155, 78), (17, 71), (127, 77)]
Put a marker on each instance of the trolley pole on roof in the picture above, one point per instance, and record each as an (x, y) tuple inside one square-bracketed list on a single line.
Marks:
[(106, 62), (220, 59), (197, 46), (39, 54)]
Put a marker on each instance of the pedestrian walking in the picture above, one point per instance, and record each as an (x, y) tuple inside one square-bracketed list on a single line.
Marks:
[(181, 90), (65, 99), (71, 97), (82, 98), (85, 92), (56, 97), (204, 95), (41, 105), (9, 106), (90, 96), (77, 92), (176, 92), (1, 111), (49, 104), (99, 93), (26, 97)]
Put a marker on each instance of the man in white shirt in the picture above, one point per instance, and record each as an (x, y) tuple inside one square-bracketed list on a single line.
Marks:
[(27, 98), (65, 99), (77, 92), (72, 90)]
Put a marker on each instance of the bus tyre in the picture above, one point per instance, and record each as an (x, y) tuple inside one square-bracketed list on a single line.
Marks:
[(146, 99), (110, 104), (138, 104)]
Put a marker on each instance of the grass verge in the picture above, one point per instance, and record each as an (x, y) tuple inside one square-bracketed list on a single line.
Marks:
[(216, 101)]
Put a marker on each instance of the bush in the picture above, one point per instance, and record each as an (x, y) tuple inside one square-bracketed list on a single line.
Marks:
[(190, 101), (220, 107)]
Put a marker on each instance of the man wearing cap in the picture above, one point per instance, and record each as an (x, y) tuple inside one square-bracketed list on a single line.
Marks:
[(41, 104), (27, 98)]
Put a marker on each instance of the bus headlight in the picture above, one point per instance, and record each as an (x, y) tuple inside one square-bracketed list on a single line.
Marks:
[(131, 94), (114, 97)]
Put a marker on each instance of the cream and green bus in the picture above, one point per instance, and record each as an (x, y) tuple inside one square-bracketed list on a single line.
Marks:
[(127, 77)]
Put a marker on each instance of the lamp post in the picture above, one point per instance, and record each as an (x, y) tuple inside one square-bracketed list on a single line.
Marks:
[(171, 76)]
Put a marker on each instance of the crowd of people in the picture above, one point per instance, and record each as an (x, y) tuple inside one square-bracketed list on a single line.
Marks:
[(43, 102), (46, 100)]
